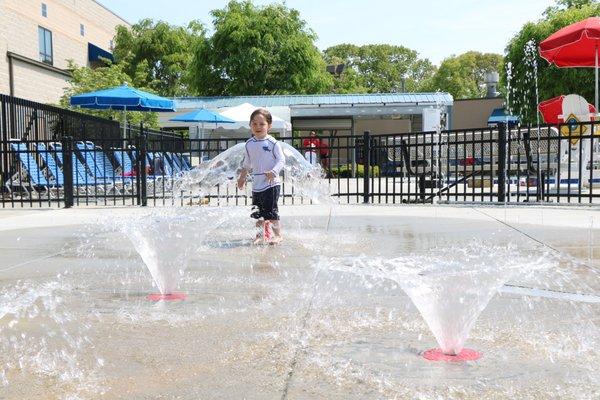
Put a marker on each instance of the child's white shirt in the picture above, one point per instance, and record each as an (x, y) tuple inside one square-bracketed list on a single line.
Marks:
[(262, 156)]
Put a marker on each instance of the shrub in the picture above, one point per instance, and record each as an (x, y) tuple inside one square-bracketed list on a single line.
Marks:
[(345, 171)]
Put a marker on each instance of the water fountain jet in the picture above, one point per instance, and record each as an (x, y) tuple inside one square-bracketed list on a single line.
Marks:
[(449, 286), (166, 238), (305, 178)]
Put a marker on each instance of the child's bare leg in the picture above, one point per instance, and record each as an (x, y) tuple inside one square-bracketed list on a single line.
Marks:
[(276, 229), (259, 231)]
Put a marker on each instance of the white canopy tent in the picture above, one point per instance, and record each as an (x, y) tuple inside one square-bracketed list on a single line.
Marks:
[(241, 114)]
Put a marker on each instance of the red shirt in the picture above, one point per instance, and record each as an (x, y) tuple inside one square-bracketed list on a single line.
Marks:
[(321, 146), (315, 141), (324, 149)]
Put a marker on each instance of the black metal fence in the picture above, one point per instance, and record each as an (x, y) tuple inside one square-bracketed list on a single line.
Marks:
[(27, 120), (81, 160), (23, 120), (549, 163)]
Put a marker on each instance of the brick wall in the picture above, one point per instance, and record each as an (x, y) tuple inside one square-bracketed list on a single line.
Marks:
[(37, 84), (19, 21)]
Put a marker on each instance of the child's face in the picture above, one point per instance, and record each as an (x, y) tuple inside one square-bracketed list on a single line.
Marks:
[(259, 125)]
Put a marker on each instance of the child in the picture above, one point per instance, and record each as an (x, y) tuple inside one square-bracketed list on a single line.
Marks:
[(264, 157)]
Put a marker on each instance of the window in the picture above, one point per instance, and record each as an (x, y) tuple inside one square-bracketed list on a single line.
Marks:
[(44, 10), (111, 45), (81, 30), (45, 37)]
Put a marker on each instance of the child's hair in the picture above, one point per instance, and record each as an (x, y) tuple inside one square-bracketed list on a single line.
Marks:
[(265, 113)]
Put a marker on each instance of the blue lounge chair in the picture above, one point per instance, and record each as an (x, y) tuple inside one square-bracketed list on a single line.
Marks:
[(81, 178), (53, 172), (124, 161), (186, 165), (160, 180), (126, 165), (168, 166), (29, 174), (134, 157), (165, 163), (175, 161), (104, 172), (182, 160), (86, 149)]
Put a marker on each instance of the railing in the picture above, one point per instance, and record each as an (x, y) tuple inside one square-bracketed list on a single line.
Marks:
[(27, 120), (526, 164), (30, 121), (75, 164)]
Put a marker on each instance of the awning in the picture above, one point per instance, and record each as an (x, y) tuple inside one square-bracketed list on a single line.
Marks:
[(95, 52), (499, 115)]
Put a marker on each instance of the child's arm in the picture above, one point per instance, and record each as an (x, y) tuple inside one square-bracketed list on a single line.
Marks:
[(246, 167), (279, 162), (241, 182)]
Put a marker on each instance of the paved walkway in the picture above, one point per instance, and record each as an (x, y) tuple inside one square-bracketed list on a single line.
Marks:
[(279, 322)]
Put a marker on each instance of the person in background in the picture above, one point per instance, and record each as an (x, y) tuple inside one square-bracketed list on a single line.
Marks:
[(311, 155), (324, 154), (312, 139), (320, 145)]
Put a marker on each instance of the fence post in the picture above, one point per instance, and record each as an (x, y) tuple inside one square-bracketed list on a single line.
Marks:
[(541, 186), (502, 166), (36, 133), (421, 183), (367, 165), (142, 165), (67, 156), (138, 185), (4, 136)]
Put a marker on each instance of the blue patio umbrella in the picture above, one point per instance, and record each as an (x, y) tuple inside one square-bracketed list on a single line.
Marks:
[(124, 98), (202, 116)]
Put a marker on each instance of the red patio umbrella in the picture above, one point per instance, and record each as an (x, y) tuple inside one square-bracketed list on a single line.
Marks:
[(575, 45), (552, 108)]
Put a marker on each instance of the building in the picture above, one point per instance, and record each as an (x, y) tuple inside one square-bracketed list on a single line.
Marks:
[(474, 113), (479, 112), (37, 38), (344, 114), (338, 118)]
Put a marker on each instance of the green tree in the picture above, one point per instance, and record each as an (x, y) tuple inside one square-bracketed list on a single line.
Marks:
[(463, 76), (522, 57), (158, 55), (378, 68), (349, 81), (86, 79), (258, 50), (562, 5)]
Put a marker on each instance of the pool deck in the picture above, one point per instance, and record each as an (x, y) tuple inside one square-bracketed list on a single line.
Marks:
[(538, 223), (264, 323), (552, 215)]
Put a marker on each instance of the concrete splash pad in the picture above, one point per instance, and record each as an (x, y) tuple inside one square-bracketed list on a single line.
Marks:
[(265, 323)]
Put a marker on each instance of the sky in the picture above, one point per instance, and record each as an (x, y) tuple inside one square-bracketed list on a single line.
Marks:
[(436, 29)]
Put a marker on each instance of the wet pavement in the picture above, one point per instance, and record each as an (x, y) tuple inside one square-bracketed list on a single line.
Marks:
[(277, 322)]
